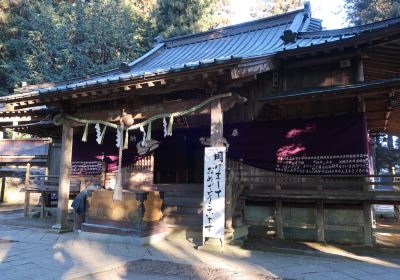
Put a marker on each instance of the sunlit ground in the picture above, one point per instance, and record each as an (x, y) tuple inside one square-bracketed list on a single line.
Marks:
[(40, 254), (334, 250)]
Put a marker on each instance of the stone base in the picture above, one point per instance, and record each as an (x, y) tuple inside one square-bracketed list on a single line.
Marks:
[(212, 245), (123, 239), (235, 237), (58, 228), (240, 232)]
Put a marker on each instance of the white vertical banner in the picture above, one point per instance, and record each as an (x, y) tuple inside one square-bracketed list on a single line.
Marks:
[(214, 192)]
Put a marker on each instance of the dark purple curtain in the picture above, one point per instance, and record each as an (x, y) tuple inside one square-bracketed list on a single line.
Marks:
[(329, 145)]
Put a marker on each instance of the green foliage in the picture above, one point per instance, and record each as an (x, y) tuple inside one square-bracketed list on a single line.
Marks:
[(368, 11), (53, 40), (174, 18), (266, 8)]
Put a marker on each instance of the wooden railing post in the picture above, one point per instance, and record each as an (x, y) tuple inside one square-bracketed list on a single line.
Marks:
[(279, 218), (320, 213), (320, 221), (278, 213), (27, 174), (228, 200), (27, 193), (3, 188), (368, 217)]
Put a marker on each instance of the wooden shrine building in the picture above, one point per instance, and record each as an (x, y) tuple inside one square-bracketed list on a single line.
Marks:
[(295, 106)]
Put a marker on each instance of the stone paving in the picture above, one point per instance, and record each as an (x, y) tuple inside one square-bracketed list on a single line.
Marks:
[(29, 253)]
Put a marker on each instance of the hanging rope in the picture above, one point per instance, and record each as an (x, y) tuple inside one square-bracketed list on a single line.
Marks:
[(117, 196), (57, 120), (148, 136), (85, 133), (126, 142)]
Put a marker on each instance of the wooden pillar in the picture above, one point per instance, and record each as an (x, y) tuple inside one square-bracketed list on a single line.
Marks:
[(217, 124), (279, 219), (320, 221), (216, 140), (64, 181)]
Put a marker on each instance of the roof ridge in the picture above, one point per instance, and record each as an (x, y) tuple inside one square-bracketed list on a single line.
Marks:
[(251, 25), (353, 29)]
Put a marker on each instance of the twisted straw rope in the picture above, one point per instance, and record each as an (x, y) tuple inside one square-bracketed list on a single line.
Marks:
[(58, 119)]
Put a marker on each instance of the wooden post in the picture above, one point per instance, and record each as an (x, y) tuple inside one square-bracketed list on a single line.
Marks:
[(367, 223), (320, 221), (368, 217), (216, 140), (217, 124), (279, 219), (26, 203), (42, 205), (27, 193), (27, 174), (216, 137), (360, 71), (64, 182), (3, 188), (228, 200), (320, 213)]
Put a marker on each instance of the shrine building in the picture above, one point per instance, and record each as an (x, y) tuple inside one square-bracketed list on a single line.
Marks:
[(293, 109)]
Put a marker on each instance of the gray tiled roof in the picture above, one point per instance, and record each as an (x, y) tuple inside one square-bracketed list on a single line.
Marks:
[(260, 38)]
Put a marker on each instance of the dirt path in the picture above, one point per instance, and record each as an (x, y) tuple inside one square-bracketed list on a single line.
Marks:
[(154, 270)]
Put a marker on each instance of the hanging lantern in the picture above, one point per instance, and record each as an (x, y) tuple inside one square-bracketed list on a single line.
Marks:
[(127, 119)]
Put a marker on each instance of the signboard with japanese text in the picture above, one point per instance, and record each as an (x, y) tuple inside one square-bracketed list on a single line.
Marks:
[(87, 167), (328, 164), (214, 192)]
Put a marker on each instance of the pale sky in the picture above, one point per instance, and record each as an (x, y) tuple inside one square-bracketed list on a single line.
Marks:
[(330, 11)]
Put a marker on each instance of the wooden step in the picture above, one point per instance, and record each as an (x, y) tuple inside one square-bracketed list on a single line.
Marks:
[(182, 210), (183, 194), (108, 229), (193, 221), (179, 201), (195, 188)]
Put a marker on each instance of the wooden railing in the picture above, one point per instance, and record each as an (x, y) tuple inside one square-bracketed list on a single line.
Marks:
[(374, 188), (45, 185)]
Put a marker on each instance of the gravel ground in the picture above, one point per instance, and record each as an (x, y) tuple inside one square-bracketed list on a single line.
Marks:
[(153, 269)]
